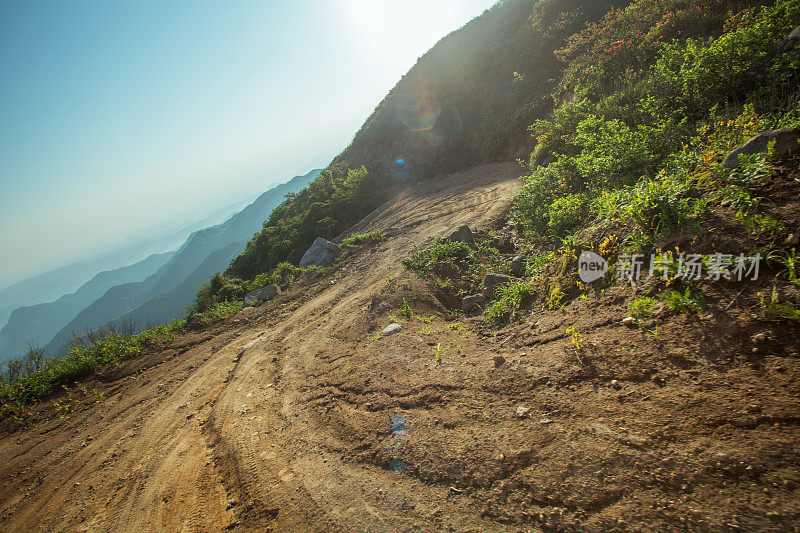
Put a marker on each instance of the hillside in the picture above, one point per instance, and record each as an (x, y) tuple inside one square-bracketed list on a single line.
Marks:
[(205, 251), (599, 336), (459, 106), (37, 324), (298, 416)]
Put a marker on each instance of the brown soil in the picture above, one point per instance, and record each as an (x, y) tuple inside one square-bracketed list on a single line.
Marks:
[(282, 417)]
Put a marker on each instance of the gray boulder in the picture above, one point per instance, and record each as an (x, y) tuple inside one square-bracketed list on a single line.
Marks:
[(261, 295), (472, 302), (790, 43), (518, 266), (321, 253), (785, 143), (462, 234), (491, 282)]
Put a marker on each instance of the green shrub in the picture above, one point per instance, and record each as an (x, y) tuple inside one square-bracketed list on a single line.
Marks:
[(218, 312), (567, 213), (442, 256), (612, 155), (512, 296), (219, 289), (641, 308), (662, 204), (773, 309), (687, 301)]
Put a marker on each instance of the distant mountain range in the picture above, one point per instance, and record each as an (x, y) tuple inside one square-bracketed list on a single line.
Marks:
[(51, 285), (38, 322), (154, 290)]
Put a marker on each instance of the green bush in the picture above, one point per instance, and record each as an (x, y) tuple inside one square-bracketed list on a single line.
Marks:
[(216, 290), (567, 213), (682, 302), (641, 308), (612, 154), (512, 296), (441, 256)]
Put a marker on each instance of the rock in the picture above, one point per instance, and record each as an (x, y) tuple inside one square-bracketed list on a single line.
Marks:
[(505, 245), (792, 240), (518, 266), (498, 361), (790, 43), (629, 321), (321, 253), (470, 303), (658, 309), (261, 295), (491, 282), (391, 329), (785, 143), (764, 336), (462, 234), (522, 411)]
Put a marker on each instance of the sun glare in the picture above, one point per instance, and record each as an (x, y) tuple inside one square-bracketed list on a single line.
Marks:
[(403, 28)]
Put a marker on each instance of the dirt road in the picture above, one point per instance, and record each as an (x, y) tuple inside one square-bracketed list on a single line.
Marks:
[(296, 416), (227, 429)]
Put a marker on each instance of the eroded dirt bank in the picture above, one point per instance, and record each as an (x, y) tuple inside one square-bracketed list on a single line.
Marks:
[(294, 417)]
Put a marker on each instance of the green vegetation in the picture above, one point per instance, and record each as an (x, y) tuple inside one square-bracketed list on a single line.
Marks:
[(333, 202), (637, 142), (511, 298), (406, 311), (219, 290), (34, 377), (679, 302), (790, 263), (773, 309), (682, 302), (641, 308), (443, 258), (363, 238)]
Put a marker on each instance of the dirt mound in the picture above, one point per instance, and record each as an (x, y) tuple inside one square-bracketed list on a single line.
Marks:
[(298, 416)]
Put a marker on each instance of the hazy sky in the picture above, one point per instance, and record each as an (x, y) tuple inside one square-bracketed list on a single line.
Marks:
[(119, 119)]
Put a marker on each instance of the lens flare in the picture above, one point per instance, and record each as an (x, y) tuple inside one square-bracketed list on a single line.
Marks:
[(398, 427), (418, 111)]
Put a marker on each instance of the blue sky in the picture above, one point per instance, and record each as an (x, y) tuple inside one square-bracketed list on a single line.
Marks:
[(123, 119)]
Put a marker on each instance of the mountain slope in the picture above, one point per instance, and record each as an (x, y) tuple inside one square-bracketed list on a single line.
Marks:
[(298, 416), (168, 305), (198, 248), (466, 101), (37, 324), (657, 402)]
